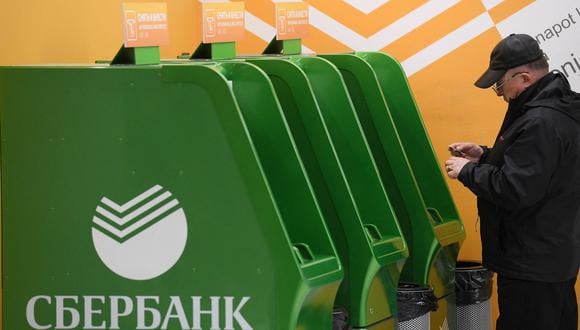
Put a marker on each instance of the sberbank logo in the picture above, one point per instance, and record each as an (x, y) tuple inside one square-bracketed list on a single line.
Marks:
[(138, 240), (142, 238)]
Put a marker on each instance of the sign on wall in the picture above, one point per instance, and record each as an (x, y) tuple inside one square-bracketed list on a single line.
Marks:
[(223, 22), (145, 24), (291, 20)]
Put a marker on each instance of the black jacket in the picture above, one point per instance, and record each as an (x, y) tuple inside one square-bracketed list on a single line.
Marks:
[(528, 186)]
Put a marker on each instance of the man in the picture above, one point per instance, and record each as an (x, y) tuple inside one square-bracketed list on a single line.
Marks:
[(528, 189)]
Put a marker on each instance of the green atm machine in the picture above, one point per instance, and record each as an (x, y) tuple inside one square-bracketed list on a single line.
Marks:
[(134, 197), (321, 118), (354, 204), (410, 173)]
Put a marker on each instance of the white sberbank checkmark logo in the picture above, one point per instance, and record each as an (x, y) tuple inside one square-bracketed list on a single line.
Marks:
[(142, 238)]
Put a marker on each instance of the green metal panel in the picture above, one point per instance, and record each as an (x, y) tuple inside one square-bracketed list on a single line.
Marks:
[(422, 157), (137, 56), (79, 140), (433, 244), (341, 124), (360, 172), (415, 140), (371, 247), (215, 51), (284, 169)]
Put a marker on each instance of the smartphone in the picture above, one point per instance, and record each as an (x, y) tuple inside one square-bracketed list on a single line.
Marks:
[(455, 152)]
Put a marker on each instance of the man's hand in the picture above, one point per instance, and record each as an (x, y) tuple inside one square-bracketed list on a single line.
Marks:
[(468, 150), (454, 165)]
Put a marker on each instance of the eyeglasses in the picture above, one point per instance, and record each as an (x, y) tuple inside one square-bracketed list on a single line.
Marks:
[(498, 86)]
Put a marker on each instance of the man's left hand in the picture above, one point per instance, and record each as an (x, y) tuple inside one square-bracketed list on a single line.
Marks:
[(454, 165)]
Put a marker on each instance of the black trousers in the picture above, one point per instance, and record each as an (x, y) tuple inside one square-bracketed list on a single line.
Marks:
[(529, 305)]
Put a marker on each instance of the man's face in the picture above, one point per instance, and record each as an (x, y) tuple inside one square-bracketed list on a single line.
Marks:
[(512, 84)]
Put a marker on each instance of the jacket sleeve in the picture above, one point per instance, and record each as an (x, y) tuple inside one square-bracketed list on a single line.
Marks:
[(525, 175), (486, 151)]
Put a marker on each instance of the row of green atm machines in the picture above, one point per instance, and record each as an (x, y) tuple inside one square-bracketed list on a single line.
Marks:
[(262, 193)]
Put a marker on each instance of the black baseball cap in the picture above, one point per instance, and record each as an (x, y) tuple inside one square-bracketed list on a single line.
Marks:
[(512, 51)]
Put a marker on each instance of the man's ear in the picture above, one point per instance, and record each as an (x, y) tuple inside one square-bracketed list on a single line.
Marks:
[(527, 79)]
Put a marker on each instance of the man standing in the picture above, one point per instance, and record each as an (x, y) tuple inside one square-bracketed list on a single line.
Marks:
[(528, 189)]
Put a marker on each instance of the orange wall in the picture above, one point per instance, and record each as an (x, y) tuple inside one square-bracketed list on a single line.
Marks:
[(62, 31), (58, 31)]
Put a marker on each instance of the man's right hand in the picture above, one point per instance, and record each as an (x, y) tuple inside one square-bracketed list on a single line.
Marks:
[(468, 150)]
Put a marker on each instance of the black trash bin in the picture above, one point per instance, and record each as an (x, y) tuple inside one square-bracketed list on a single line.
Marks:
[(414, 303), (340, 319), (473, 287)]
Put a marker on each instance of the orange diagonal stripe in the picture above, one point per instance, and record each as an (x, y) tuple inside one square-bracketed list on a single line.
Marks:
[(508, 8), (435, 29), (321, 42), (251, 45), (363, 24), (264, 9)]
